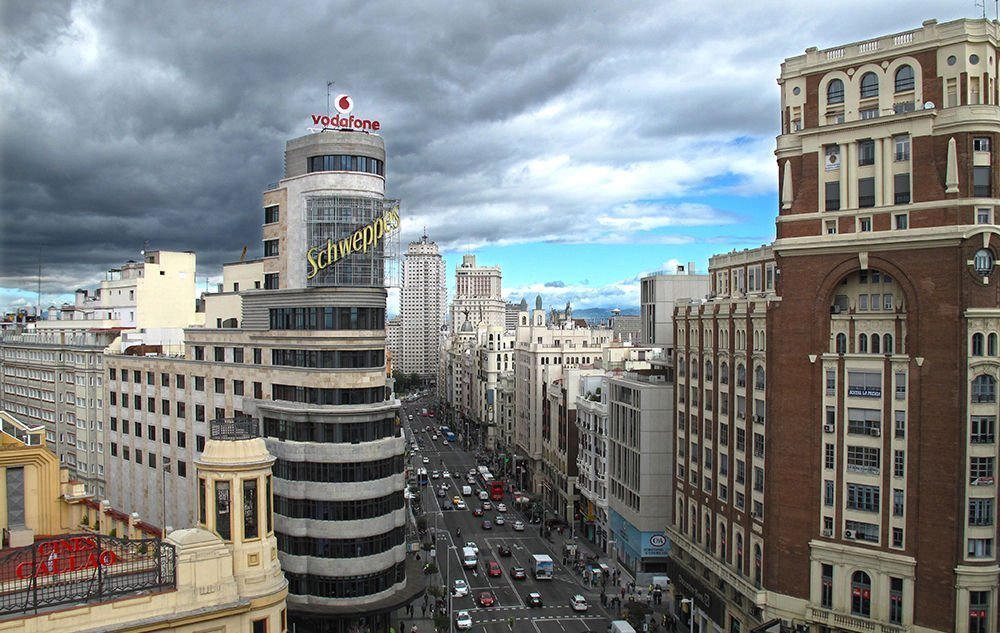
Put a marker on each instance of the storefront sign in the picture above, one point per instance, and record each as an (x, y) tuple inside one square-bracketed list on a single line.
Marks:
[(65, 555), (689, 585), (368, 236)]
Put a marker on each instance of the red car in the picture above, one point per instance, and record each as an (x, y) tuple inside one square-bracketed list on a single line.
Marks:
[(494, 569), (478, 512), (486, 599)]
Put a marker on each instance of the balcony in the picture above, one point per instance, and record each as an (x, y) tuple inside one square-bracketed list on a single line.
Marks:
[(851, 623)]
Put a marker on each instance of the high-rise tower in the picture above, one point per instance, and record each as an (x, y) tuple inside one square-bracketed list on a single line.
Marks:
[(423, 303)]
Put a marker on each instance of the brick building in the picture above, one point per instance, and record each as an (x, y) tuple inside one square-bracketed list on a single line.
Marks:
[(837, 394)]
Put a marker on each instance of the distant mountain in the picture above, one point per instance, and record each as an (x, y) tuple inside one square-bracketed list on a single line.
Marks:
[(603, 313)]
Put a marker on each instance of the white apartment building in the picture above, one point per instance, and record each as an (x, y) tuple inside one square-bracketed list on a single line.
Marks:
[(423, 302), (478, 296), (657, 294), (540, 351), (592, 459)]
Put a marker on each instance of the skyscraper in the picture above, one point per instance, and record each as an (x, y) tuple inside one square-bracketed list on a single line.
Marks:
[(422, 309), (478, 296)]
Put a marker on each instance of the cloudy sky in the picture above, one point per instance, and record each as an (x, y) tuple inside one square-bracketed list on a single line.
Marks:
[(576, 144)]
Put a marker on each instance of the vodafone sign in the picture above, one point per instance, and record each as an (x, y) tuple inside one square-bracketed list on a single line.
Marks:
[(344, 118)]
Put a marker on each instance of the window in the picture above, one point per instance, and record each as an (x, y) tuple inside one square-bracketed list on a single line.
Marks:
[(901, 222), (841, 343), (199, 383), (978, 344), (181, 439), (983, 429), (826, 582), (897, 537), (138, 429), (271, 215), (835, 91), (862, 338), (831, 227), (901, 187), (863, 459), (151, 432), (902, 147), (984, 389), (829, 456), (237, 354), (828, 493), (979, 611), (861, 594), (983, 262), (896, 594), (897, 502), (866, 114), (863, 498), (270, 281), (270, 248), (898, 463), (832, 189), (180, 382), (220, 385), (866, 152), (980, 548), (904, 79), (199, 352), (259, 626), (900, 424), (199, 443), (869, 85), (182, 469), (981, 144), (866, 193), (138, 456), (981, 471), (984, 215), (980, 512), (981, 182), (151, 460), (223, 527)]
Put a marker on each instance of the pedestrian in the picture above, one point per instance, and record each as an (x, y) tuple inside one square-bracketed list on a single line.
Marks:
[(623, 593)]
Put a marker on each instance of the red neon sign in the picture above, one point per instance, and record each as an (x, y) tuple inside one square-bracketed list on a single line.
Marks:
[(350, 121), (66, 555)]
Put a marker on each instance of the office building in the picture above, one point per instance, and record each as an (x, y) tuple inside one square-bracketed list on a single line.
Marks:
[(422, 309), (478, 296), (844, 378), (657, 294)]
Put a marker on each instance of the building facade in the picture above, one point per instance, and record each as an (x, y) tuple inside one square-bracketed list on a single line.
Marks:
[(423, 303), (657, 294), (478, 296), (868, 349)]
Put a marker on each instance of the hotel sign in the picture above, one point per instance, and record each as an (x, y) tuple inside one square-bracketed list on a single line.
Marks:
[(323, 256), (865, 392)]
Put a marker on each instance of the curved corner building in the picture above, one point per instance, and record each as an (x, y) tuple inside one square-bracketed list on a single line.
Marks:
[(329, 417)]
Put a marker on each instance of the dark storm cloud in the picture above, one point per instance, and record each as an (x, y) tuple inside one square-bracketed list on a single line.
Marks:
[(132, 125)]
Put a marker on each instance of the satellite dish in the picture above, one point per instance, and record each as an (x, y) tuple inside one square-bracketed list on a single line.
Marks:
[(929, 105)]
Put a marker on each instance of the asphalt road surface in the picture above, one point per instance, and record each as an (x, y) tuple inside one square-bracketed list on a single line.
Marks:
[(555, 615)]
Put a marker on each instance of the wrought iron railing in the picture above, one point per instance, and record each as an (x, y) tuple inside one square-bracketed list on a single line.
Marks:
[(77, 568), (231, 429)]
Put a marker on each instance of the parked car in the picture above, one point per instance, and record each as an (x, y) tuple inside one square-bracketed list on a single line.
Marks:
[(533, 599), (494, 569), (486, 599), (578, 602), (518, 526), (518, 573), (463, 621)]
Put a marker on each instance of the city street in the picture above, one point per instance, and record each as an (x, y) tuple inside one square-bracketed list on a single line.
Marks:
[(555, 615)]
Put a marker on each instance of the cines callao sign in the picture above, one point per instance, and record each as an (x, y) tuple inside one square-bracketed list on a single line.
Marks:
[(322, 257)]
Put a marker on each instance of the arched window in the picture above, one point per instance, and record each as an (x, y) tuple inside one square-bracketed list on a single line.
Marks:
[(861, 594), (984, 389), (841, 343), (835, 91), (723, 554), (681, 366), (695, 532), (862, 343), (758, 564), (681, 516), (724, 373), (904, 79), (694, 367), (869, 85), (758, 376), (887, 347), (709, 538), (709, 375), (739, 553), (875, 343), (977, 344), (991, 345), (741, 376)]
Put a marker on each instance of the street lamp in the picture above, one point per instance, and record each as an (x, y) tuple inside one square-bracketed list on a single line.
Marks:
[(690, 607)]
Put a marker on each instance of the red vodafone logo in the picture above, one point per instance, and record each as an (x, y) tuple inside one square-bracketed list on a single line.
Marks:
[(344, 104), (345, 120)]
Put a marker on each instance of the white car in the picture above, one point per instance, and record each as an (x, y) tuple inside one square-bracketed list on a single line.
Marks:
[(461, 588), (499, 520), (518, 526), (444, 443), (461, 506), (426, 460), (501, 507), (446, 475), (578, 602), (463, 621), (473, 546)]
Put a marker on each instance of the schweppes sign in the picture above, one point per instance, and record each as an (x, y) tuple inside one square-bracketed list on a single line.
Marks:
[(322, 257)]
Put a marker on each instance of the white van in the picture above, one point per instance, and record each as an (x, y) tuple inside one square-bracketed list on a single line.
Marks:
[(466, 491), (470, 560), (484, 496), (620, 626)]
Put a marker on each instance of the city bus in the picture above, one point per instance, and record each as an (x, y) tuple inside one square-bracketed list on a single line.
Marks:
[(493, 487), (496, 490), (422, 476)]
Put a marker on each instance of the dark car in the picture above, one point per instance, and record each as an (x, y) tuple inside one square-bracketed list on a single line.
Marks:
[(504, 551), (478, 512), (487, 525), (518, 573), (486, 599), (533, 599)]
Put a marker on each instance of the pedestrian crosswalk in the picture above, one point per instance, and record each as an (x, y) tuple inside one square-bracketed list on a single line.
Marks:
[(536, 618)]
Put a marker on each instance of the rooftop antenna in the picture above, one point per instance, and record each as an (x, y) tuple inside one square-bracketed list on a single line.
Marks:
[(39, 313), (329, 85), (982, 5)]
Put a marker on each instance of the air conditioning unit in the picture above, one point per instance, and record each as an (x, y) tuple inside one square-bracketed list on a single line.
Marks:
[(876, 432), (828, 428), (827, 533), (849, 534)]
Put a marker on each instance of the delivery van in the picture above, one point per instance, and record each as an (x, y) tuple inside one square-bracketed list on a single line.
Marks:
[(466, 491)]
